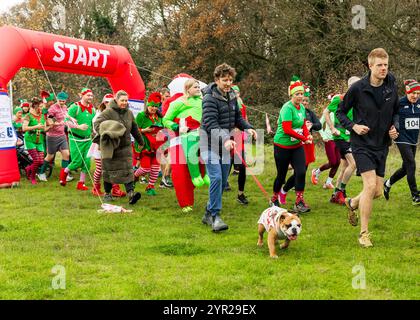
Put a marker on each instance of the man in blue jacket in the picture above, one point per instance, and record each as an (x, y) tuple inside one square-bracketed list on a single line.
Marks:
[(221, 115), (407, 141), (374, 100)]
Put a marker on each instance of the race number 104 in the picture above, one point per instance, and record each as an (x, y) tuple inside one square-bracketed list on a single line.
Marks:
[(412, 123), (229, 309)]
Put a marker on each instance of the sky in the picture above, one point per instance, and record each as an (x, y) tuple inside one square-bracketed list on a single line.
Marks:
[(5, 5)]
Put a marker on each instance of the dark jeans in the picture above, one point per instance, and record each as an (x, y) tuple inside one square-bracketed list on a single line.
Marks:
[(218, 169), (295, 157), (408, 155)]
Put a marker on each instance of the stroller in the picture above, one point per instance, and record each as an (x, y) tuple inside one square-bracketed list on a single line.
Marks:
[(24, 159)]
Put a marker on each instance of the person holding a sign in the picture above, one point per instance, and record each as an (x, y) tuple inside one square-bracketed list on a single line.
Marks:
[(409, 121), (374, 100)]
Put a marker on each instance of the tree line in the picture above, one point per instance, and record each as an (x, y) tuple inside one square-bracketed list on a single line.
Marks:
[(267, 41)]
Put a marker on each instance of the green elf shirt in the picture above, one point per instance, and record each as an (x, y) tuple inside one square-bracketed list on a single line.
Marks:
[(289, 112), (17, 124), (192, 111), (143, 121), (34, 139), (83, 115), (332, 107)]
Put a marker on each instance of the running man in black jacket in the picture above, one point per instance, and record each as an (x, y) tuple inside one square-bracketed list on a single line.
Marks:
[(374, 100)]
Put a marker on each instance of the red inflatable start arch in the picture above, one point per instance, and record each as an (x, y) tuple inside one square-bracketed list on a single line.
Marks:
[(22, 48)]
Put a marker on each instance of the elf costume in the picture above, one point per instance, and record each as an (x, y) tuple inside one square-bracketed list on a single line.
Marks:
[(18, 121), (34, 143), (79, 140), (149, 163), (184, 117)]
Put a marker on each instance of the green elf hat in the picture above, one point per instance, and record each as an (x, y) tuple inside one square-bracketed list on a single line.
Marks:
[(46, 96), (236, 88), (62, 96), (85, 91), (22, 101), (16, 110), (154, 99), (307, 91), (295, 86), (50, 97)]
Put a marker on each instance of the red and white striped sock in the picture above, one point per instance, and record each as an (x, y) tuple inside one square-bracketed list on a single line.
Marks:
[(141, 172), (154, 174), (98, 172)]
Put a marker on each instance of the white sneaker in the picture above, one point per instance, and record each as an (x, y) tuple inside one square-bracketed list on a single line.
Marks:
[(42, 177), (69, 178), (143, 180), (328, 185)]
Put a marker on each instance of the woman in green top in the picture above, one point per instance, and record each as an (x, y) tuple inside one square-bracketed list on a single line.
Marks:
[(34, 126), (150, 123), (291, 133), (18, 122)]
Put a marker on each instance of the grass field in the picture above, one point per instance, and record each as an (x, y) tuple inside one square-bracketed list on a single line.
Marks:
[(157, 252)]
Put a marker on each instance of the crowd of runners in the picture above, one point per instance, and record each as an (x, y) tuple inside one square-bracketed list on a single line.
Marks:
[(192, 139)]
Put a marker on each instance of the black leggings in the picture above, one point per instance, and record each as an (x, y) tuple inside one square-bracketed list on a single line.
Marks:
[(290, 183), (128, 187), (408, 155), (239, 166), (295, 157)]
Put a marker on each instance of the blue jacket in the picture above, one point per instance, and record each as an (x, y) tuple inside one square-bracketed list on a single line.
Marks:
[(409, 114), (221, 115)]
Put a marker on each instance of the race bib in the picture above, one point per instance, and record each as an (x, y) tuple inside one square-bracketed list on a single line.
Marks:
[(298, 131), (412, 124), (347, 132)]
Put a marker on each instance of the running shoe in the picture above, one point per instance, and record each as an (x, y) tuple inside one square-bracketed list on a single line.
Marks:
[(187, 209), (42, 177), (364, 240), (351, 214), (315, 176), (242, 199), (328, 185), (416, 200), (150, 191), (301, 207), (387, 190), (143, 180), (340, 197)]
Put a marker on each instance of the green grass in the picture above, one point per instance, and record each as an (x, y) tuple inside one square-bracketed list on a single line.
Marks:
[(157, 252)]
